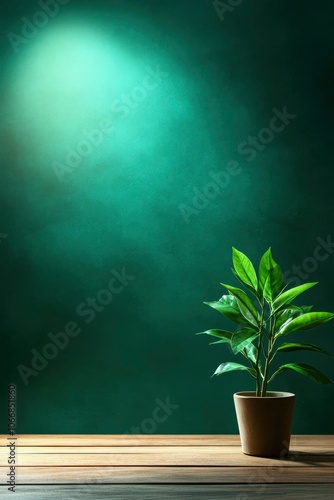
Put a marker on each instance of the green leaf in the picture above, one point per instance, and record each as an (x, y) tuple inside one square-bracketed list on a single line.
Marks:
[(242, 337), (306, 370), (223, 335), (292, 346), (244, 269), (218, 342), (250, 351), (305, 309), (291, 294), (273, 283), (246, 306), (249, 287), (228, 306), (229, 367), (287, 315), (270, 276), (305, 322), (264, 268)]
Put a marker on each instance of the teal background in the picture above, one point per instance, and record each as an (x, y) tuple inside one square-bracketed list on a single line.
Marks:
[(122, 206)]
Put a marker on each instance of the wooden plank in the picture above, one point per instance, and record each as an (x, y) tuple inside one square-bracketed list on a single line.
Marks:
[(171, 492), (151, 440), (163, 450), (147, 460), (169, 459), (122, 440), (163, 475)]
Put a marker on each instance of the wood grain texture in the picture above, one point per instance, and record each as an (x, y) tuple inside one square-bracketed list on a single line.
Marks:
[(163, 450), (184, 459), (172, 492), (176, 467), (166, 475), (152, 440)]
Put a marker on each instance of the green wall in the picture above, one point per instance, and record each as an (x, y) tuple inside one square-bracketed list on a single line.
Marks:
[(116, 118)]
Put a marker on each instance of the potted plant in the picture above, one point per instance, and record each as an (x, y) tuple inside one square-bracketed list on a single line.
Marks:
[(264, 417)]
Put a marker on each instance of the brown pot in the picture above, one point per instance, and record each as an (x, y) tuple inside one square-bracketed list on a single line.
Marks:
[(265, 422)]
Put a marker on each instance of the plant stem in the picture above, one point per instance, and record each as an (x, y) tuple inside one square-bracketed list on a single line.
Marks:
[(268, 358), (265, 375), (259, 347)]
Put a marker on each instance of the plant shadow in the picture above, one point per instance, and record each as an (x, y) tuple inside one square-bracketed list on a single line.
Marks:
[(319, 459)]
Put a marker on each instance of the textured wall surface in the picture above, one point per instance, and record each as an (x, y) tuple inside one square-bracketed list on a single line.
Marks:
[(141, 140)]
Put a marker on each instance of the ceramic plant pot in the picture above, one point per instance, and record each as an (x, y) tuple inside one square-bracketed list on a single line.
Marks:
[(265, 422)]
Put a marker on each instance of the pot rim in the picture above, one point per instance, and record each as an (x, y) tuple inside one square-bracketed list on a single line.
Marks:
[(270, 395)]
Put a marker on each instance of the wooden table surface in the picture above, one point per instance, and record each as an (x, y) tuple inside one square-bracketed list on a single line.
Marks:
[(162, 467)]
